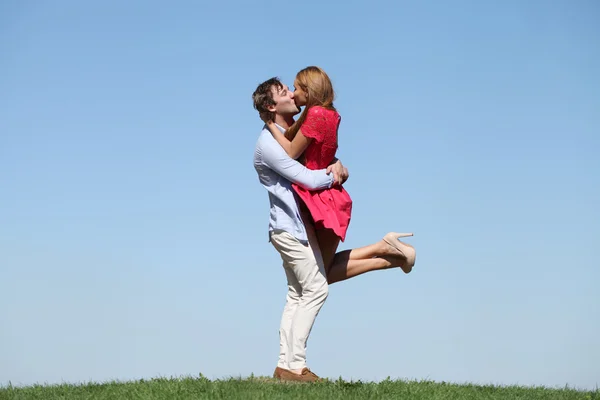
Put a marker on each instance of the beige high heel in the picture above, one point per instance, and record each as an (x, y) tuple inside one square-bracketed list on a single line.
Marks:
[(406, 250)]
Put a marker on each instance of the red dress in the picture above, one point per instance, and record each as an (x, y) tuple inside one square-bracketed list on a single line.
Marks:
[(330, 208)]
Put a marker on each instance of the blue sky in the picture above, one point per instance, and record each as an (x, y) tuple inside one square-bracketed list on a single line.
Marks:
[(133, 229)]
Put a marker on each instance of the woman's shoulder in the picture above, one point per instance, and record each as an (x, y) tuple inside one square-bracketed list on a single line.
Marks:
[(320, 111)]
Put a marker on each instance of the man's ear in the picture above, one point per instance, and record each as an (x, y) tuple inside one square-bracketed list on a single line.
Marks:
[(271, 108)]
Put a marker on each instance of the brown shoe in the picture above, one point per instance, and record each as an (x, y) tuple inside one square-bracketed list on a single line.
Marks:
[(306, 376), (277, 373), (312, 375)]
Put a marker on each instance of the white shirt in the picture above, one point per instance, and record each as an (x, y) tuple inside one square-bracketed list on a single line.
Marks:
[(276, 172)]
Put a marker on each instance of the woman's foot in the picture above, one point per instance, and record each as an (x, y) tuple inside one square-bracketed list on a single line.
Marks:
[(386, 245), (404, 254)]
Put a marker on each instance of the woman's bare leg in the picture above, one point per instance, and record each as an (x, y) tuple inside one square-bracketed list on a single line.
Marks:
[(350, 263), (380, 248), (344, 268), (328, 244)]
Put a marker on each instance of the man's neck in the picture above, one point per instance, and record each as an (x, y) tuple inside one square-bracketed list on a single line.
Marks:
[(284, 121)]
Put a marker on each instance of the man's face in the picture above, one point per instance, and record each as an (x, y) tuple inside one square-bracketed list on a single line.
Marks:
[(284, 101)]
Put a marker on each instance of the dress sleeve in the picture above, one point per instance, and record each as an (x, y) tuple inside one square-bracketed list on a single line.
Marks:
[(313, 124)]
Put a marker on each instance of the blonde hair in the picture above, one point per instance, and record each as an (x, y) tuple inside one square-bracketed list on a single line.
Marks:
[(319, 92)]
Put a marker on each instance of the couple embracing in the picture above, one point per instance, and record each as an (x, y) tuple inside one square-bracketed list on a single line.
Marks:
[(310, 210)]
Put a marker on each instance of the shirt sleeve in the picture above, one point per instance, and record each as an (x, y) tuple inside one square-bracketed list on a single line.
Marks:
[(311, 126), (274, 157)]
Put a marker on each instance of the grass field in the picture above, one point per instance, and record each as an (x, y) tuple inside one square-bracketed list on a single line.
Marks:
[(268, 388)]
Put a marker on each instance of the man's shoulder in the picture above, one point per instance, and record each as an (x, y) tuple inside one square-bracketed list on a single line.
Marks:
[(263, 146), (266, 141), (262, 135)]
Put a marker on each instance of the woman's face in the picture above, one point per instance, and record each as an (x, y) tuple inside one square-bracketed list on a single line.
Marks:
[(299, 95)]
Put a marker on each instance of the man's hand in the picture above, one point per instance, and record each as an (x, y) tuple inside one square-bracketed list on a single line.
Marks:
[(340, 173)]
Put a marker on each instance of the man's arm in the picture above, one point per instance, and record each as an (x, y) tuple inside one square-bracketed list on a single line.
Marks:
[(274, 157)]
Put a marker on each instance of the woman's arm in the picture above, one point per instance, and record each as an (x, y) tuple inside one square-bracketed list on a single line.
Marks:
[(296, 147)]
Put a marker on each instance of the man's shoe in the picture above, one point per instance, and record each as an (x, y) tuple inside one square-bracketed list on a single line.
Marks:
[(277, 373), (311, 375), (305, 376)]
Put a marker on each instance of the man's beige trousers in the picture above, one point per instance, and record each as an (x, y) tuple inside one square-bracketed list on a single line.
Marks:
[(307, 292)]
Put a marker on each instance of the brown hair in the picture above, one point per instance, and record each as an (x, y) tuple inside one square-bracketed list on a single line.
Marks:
[(263, 96), (319, 92)]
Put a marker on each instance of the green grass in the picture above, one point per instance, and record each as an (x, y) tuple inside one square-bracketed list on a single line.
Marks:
[(268, 388)]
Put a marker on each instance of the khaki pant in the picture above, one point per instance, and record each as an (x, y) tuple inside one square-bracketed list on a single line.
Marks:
[(307, 292)]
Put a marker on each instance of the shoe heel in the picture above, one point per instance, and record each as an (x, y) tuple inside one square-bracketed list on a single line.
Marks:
[(399, 235)]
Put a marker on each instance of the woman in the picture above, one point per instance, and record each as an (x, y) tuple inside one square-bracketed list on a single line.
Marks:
[(314, 136)]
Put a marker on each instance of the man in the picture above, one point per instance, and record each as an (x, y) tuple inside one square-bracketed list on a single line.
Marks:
[(292, 234)]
